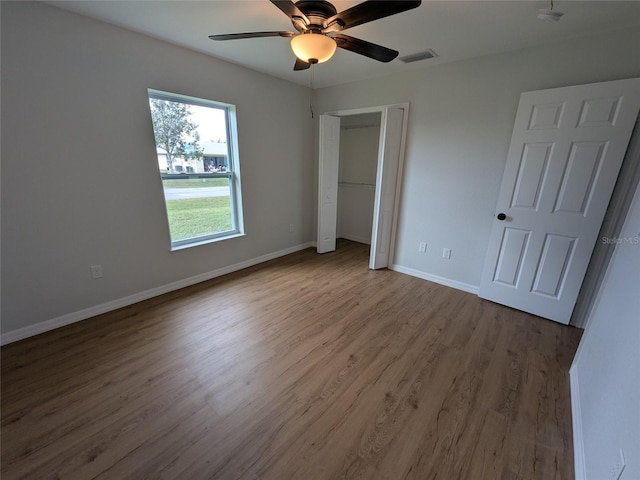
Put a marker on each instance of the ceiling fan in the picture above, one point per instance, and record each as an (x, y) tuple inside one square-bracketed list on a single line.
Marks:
[(318, 24)]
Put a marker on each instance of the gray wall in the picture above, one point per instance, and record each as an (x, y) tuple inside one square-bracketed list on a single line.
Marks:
[(359, 154), (460, 121), (80, 183), (357, 179), (606, 375)]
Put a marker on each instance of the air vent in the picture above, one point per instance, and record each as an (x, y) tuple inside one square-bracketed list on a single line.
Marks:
[(416, 57)]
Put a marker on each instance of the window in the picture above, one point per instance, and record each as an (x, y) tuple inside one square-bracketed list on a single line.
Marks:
[(196, 146)]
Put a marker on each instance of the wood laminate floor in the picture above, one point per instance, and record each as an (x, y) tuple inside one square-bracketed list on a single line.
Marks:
[(306, 367)]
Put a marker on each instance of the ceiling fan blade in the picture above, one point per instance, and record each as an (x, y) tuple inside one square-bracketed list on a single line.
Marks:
[(368, 49), (301, 65), (290, 10), (236, 36), (370, 10)]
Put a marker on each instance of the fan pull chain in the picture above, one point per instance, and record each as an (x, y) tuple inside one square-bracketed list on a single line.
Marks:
[(311, 92)]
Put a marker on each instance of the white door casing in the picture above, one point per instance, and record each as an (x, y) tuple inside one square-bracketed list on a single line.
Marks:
[(386, 177), (566, 150), (392, 137), (328, 183)]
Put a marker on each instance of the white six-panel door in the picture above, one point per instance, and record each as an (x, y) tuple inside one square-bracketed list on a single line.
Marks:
[(566, 150)]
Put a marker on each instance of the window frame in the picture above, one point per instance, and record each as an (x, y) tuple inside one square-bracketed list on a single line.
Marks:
[(232, 173)]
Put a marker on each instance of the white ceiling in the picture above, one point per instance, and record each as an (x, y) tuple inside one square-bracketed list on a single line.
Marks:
[(455, 30)]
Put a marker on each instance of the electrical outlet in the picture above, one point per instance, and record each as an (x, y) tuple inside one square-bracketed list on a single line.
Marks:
[(96, 271), (422, 247), (446, 253), (618, 468), (290, 227)]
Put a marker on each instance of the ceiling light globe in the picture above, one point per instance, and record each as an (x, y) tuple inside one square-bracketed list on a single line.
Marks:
[(313, 47)]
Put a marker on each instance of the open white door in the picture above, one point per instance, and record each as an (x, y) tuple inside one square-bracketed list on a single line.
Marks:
[(328, 182), (566, 150), (386, 177)]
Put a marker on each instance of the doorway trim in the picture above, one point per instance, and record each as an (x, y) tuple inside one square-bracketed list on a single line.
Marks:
[(382, 109)]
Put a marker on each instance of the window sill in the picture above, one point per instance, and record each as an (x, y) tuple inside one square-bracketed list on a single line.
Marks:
[(204, 242)]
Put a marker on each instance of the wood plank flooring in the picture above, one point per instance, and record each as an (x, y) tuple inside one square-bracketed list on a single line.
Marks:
[(306, 367)]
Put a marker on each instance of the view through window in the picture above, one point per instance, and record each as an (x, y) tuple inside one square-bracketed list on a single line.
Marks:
[(198, 164)]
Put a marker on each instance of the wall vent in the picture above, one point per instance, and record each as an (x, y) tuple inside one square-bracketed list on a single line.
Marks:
[(416, 57)]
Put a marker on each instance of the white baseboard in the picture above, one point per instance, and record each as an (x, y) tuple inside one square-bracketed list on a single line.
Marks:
[(465, 287), (576, 418), (355, 238), (73, 317)]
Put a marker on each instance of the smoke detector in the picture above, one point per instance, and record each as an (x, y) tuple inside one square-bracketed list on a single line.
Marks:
[(549, 14)]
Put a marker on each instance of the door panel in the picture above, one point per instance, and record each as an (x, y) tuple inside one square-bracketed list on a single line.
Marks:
[(599, 112), (509, 267), (532, 171), (580, 177), (555, 257), (566, 150), (386, 177), (545, 116), (328, 183)]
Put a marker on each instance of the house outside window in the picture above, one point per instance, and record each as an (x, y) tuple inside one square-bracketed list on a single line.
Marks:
[(197, 156)]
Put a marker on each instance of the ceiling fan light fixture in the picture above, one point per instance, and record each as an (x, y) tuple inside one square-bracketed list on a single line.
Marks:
[(313, 47)]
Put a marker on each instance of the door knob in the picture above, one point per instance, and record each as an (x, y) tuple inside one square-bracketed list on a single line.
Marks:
[(501, 216)]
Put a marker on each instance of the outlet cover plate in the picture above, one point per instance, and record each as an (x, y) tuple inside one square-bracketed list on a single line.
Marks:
[(96, 271)]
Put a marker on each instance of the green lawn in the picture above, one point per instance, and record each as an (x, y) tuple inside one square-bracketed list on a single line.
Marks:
[(194, 217)]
